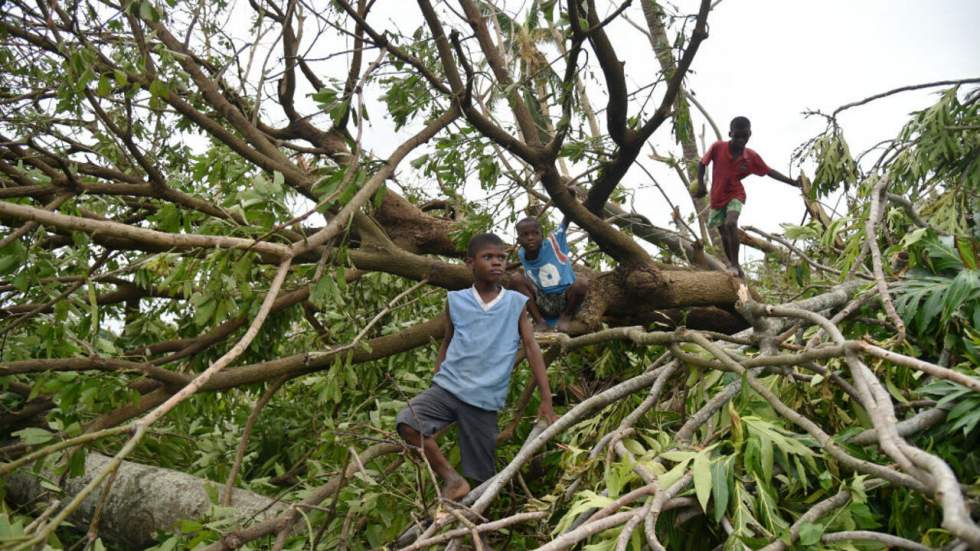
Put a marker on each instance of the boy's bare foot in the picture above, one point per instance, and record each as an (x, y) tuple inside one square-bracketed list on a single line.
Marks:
[(563, 323), (455, 488)]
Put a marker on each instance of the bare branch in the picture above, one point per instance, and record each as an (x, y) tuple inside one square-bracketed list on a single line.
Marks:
[(905, 89)]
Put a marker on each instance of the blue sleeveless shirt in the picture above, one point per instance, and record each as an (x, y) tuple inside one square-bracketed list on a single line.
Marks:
[(481, 353), (552, 270)]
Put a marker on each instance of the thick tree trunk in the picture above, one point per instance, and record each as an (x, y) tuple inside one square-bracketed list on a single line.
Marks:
[(142, 501)]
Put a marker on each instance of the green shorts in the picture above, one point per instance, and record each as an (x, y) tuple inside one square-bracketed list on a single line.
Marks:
[(717, 217)]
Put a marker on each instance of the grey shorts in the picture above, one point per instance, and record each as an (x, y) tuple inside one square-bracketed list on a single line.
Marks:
[(436, 408), (551, 305)]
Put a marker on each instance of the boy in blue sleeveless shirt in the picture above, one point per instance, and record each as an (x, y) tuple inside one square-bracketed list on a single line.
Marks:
[(485, 325), (548, 279)]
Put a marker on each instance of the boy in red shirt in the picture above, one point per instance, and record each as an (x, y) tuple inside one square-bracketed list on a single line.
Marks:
[(732, 161)]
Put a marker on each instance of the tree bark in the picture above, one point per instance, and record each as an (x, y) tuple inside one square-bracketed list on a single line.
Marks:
[(143, 500)]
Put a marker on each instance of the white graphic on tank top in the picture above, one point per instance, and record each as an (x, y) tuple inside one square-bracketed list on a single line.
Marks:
[(548, 276)]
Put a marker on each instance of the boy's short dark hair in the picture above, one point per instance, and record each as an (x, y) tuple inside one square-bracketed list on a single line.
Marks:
[(528, 220), (481, 240), (740, 123)]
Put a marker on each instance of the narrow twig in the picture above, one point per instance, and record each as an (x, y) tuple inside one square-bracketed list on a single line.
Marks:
[(800, 253), (887, 540), (93, 526), (904, 89), (877, 196), (246, 434)]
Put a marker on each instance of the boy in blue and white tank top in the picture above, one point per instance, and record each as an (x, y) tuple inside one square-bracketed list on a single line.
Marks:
[(485, 326), (548, 279)]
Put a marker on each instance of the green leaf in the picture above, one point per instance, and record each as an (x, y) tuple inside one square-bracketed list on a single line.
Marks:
[(768, 508), (719, 488), (326, 96), (633, 446), (8, 530), (583, 502), (147, 11), (968, 253), (204, 311), (338, 110), (33, 436), (810, 533), (322, 293), (104, 88), (858, 492), (159, 89), (48, 485), (766, 458), (965, 286), (702, 478), (379, 197), (76, 463), (12, 257), (742, 516), (667, 479), (678, 456), (914, 237), (618, 475)]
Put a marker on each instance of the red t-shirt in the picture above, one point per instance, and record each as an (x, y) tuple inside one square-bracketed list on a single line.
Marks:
[(727, 172)]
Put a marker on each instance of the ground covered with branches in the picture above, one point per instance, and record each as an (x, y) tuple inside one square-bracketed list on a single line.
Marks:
[(220, 283)]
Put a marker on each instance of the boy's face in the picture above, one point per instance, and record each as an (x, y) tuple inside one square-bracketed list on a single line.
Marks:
[(740, 136), (488, 264), (529, 236)]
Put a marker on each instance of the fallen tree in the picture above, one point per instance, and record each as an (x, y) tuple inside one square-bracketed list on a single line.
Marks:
[(141, 502), (215, 264)]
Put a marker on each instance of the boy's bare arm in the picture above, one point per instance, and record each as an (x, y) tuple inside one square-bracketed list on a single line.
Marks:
[(701, 190), (538, 369), (776, 175), (447, 335)]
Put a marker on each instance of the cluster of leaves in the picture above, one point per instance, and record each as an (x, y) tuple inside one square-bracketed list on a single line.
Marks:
[(835, 166), (940, 297)]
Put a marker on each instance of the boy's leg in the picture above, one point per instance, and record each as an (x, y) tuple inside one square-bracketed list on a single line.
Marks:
[(454, 486), (574, 296), (716, 219), (425, 415), (477, 442), (729, 234), (520, 283)]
